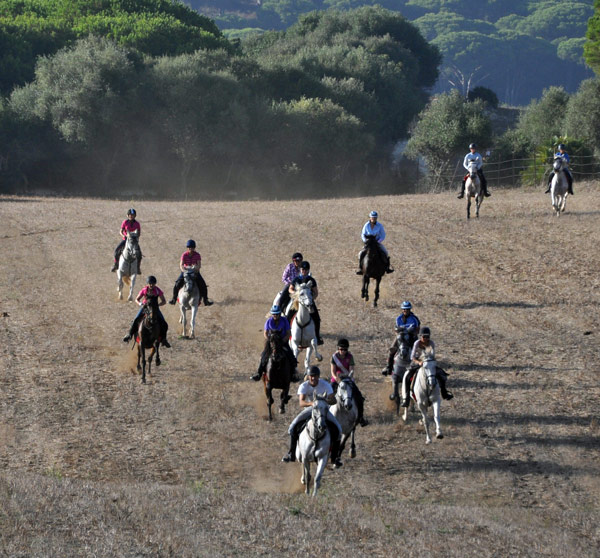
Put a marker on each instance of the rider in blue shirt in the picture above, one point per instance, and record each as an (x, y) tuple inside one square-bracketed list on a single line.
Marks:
[(473, 155), (562, 154), (373, 228), (407, 329)]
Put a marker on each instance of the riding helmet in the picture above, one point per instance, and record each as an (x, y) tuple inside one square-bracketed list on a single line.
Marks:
[(297, 256), (406, 305), (373, 214), (561, 146), (190, 244), (472, 146), (425, 332), (131, 212), (314, 371), (305, 265), (275, 310), (343, 344), (151, 280)]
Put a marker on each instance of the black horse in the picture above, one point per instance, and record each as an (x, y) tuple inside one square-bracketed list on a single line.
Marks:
[(374, 266), (278, 372), (148, 337)]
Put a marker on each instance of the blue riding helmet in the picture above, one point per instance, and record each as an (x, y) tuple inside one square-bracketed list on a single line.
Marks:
[(373, 214), (275, 310), (190, 244), (131, 212), (472, 146), (406, 305), (561, 146), (151, 280), (304, 265)]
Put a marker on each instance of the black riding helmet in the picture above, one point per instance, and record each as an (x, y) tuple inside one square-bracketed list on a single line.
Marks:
[(425, 332), (314, 371), (297, 256), (305, 265), (473, 146), (151, 280), (131, 212), (343, 344), (190, 244)]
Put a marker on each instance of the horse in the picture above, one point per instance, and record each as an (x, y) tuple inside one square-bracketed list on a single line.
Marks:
[(473, 189), (128, 264), (346, 412), (314, 443), (401, 361), (148, 336), (427, 392), (374, 266), (303, 334), (278, 373), (189, 298), (559, 188)]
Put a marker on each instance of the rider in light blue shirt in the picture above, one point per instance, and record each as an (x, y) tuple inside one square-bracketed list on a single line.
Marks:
[(473, 155), (562, 154), (374, 228)]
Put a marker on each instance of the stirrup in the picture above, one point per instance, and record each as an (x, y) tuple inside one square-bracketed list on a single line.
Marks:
[(359, 272), (461, 195), (256, 377), (166, 344), (208, 302), (173, 301), (449, 395), (288, 457), (393, 396), (405, 403)]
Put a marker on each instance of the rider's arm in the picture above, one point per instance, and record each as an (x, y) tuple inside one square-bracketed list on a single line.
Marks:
[(466, 161), (139, 297), (315, 291), (161, 300), (304, 401), (331, 399)]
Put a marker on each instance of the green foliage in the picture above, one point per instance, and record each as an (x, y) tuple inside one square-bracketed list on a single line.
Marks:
[(591, 49), (485, 94), (545, 118), (582, 119), (445, 128)]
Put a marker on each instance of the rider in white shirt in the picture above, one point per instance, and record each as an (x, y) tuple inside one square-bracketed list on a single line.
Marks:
[(473, 155)]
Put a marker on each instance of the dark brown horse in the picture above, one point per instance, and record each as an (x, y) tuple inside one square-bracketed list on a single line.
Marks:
[(374, 266), (278, 372), (148, 336)]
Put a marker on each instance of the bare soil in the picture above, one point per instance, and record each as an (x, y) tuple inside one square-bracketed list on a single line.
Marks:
[(93, 463)]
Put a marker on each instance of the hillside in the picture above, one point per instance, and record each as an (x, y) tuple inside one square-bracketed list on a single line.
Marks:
[(93, 463)]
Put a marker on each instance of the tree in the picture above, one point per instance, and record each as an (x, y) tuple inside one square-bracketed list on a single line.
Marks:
[(544, 119), (582, 119), (591, 49), (445, 128)]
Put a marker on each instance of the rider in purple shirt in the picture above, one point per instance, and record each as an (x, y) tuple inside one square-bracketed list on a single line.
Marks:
[(291, 271)]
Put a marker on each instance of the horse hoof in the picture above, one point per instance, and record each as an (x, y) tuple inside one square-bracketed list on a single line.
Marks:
[(143, 380), (281, 411), (439, 435), (428, 442), (319, 358), (353, 453), (375, 305), (158, 363)]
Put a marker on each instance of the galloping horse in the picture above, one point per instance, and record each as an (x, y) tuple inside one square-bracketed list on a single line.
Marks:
[(473, 189), (401, 362), (346, 412), (427, 392), (148, 336), (374, 266), (559, 189), (303, 334), (314, 443), (189, 298), (128, 264), (278, 373)]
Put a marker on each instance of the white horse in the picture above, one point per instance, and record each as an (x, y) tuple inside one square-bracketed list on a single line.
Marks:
[(189, 298), (427, 392), (473, 189), (128, 264), (559, 188), (346, 412), (314, 443), (303, 327)]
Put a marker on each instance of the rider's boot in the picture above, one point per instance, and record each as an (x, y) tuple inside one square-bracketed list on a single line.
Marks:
[(335, 453), (165, 343), (139, 266), (461, 194), (131, 333), (570, 186), (259, 373), (445, 393), (115, 266), (207, 302), (290, 456), (485, 191), (406, 400), (360, 261), (389, 267)]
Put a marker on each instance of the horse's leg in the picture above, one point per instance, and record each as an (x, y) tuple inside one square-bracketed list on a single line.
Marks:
[(478, 201), (183, 319), (120, 287), (365, 287), (315, 347), (139, 351), (423, 409), (377, 281), (309, 351), (352, 444), (141, 345), (193, 320), (468, 206), (321, 463), (132, 280), (270, 401), (157, 348), (306, 476), (436, 417)]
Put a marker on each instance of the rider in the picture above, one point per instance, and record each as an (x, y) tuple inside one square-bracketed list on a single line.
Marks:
[(474, 156), (129, 225), (304, 277), (407, 330), (374, 228), (143, 296), (276, 324), (191, 258), (562, 154), (423, 347), (291, 271), (342, 366), (306, 392)]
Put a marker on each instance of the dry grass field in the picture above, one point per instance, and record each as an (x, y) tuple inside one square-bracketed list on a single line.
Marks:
[(93, 463)]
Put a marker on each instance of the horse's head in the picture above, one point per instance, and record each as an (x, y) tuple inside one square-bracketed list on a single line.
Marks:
[(558, 164), (133, 237), (320, 409), (472, 169), (344, 394), (304, 294), (151, 308), (275, 342), (430, 370), (371, 241)]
